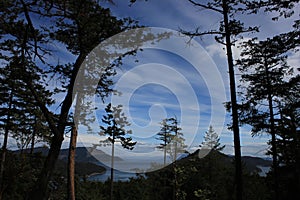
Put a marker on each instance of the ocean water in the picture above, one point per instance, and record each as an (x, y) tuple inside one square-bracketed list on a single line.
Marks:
[(124, 170), (264, 170), (118, 176)]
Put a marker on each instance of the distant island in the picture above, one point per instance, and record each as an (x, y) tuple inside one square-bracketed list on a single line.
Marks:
[(88, 160)]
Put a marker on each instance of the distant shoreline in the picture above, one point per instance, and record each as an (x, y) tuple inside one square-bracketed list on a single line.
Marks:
[(96, 174)]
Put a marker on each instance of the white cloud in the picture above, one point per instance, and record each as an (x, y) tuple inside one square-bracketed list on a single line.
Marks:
[(216, 49)]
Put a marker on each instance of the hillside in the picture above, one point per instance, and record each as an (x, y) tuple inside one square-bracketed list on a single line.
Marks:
[(88, 160), (88, 154), (251, 164)]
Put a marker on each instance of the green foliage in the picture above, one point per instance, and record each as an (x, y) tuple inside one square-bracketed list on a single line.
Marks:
[(164, 134), (21, 170), (116, 121), (172, 138), (212, 140)]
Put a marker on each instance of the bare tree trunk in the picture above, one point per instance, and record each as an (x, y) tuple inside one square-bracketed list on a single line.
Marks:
[(235, 120), (112, 171), (71, 164)]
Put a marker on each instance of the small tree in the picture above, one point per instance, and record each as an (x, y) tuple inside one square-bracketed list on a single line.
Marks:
[(212, 140), (115, 121), (212, 143), (165, 136), (176, 145)]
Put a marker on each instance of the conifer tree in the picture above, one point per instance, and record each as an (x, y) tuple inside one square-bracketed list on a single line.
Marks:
[(77, 25), (176, 145), (212, 140), (21, 118), (264, 69), (115, 122), (165, 136), (229, 31)]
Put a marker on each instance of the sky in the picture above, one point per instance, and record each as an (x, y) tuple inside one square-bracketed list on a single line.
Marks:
[(186, 81), (177, 78)]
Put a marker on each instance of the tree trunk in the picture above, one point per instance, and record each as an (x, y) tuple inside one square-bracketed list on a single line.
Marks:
[(273, 137), (235, 121), (33, 136), (165, 149), (112, 171), (40, 192), (71, 164), (4, 146)]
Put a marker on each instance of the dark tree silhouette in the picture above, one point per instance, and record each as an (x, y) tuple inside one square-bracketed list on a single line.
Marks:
[(115, 122), (229, 29)]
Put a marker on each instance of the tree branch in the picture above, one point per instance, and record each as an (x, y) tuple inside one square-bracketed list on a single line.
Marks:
[(26, 13), (197, 33), (206, 6)]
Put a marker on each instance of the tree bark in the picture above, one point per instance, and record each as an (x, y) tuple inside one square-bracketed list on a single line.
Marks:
[(235, 121), (40, 192), (71, 164)]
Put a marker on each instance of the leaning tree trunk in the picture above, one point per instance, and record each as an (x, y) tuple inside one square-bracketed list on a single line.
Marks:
[(40, 192)]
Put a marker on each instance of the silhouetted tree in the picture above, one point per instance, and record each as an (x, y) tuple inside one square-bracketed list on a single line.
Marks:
[(264, 69), (228, 31), (165, 136), (115, 121)]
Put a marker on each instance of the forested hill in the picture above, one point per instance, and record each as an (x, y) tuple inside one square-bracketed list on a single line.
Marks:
[(89, 155), (251, 164), (86, 164), (83, 154)]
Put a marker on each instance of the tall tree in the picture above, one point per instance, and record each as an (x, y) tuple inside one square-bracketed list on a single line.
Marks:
[(115, 122), (229, 29), (173, 144), (264, 68), (289, 140), (20, 116), (79, 26)]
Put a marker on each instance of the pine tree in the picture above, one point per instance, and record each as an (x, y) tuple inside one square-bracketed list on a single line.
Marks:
[(165, 136), (115, 122), (212, 140), (212, 143), (176, 145), (229, 30), (21, 118), (79, 26), (264, 69)]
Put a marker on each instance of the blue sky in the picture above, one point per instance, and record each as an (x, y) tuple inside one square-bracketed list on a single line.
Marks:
[(163, 84), (150, 103)]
